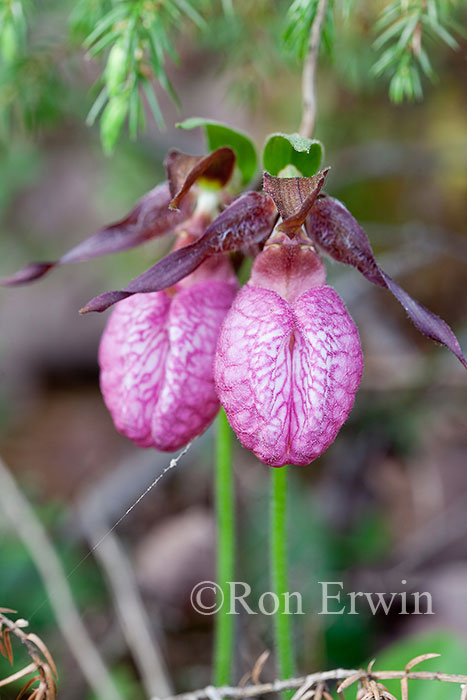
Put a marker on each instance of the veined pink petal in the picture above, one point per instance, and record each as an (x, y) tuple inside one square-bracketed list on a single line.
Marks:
[(188, 400), (156, 359), (287, 374), (132, 358)]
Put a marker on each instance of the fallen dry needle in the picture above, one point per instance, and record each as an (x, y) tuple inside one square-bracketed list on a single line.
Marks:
[(42, 684)]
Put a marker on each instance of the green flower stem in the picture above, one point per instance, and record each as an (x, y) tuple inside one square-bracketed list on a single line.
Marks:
[(224, 623), (278, 554)]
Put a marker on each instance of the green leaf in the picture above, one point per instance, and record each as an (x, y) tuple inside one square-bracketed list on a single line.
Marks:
[(116, 68), (103, 42), (426, 64), (282, 150), (408, 31), (9, 43), (389, 33), (97, 107), (115, 15), (417, 85), (190, 12), (443, 34), (112, 121), (153, 103), (218, 135), (228, 8), (452, 660), (133, 114), (157, 56), (388, 58)]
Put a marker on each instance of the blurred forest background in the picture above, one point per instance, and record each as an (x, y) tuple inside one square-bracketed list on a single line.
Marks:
[(386, 502)]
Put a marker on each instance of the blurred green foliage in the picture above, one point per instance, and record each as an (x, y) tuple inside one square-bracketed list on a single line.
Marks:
[(126, 683), (20, 585), (134, 41), (402, 27), (44, 98)]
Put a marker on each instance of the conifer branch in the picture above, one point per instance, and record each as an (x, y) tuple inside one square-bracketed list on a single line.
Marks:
[(136, 39), (403, 27)]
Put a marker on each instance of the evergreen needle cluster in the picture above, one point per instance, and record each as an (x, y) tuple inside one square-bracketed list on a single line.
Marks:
[(135, 37), (132, 42), (404, 27)]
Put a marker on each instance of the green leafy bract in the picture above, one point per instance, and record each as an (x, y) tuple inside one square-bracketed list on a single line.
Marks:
[(282, 150)]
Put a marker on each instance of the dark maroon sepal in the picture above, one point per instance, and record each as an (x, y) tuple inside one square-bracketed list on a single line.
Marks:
[(333, 228), (293, 197), (184, 170), (248, 220), (150, 218), (31, 272)]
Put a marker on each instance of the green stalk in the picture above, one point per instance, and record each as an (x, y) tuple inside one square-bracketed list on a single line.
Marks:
[(224, 623), (278, 554)]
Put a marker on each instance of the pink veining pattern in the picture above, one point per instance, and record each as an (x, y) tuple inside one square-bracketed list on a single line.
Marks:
[(156, 357), (287, 374)]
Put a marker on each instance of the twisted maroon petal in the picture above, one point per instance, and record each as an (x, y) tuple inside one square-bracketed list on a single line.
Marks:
[(150, 218), (338, 234), (184, 170), (248, 220)]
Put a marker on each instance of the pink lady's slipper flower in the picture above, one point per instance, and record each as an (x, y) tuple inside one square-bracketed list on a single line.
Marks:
[(288, 360), (284, 358), (156, 357), (157, 350)]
